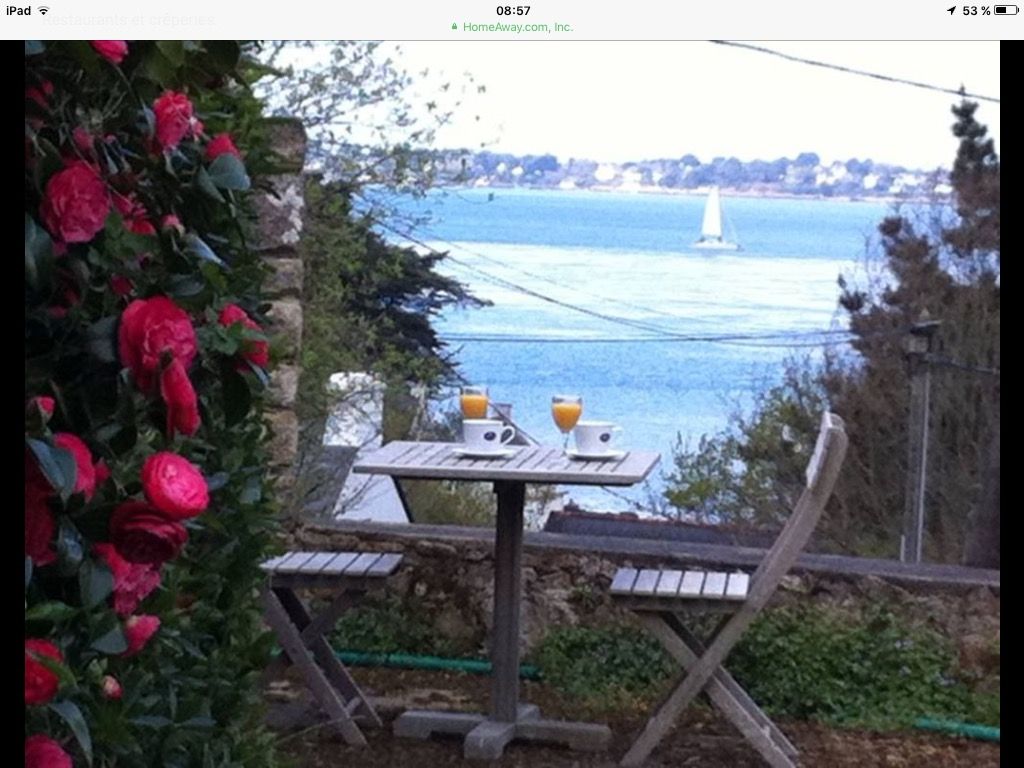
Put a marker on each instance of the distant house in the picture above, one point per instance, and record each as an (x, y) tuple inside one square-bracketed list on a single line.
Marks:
[(629, 525)]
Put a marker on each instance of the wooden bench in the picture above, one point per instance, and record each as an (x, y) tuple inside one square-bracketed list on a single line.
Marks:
[(303, 636)]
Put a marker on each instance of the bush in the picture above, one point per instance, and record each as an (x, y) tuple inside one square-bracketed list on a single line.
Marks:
[(387, 625), (145, 368), (879, 672), (604, 668)]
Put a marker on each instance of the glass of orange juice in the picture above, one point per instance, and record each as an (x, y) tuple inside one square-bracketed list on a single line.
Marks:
[(473, 401), (566, 411)]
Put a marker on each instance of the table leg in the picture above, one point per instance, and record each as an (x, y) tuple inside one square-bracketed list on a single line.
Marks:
[(486, 737), (508, 551)]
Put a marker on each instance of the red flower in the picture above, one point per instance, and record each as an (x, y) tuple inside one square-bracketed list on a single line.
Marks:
[(257, 352), (43, 752), (102, 472), (174, 119), (150, 327), (39, 522), (137, 631), (40, 683), (221, 144), (75, 204), (132, 582), (85, 477), (121, 285), (145, 535), (83, 140), (174, 485), (180, 397), (113, 51), (170, 221), (111, 688), (41, 95), (44, 403), (134, 214)]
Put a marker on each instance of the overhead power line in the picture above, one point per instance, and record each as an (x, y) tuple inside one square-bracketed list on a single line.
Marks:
[(861, 72)]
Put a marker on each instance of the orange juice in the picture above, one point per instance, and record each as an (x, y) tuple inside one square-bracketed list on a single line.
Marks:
[(566, 414), (473, 406)]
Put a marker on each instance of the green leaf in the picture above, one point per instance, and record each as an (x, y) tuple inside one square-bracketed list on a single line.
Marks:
[(223, 54), (198, 722), (228, 172), (237, 398), (95, 582), (69, 549), (202, 250), (51, 610), (101, 340), (151, 721), (111, 643), (185, 286), (252, 491), (72, 715), (205, 183), (38, 254), (28, 571), (217, 481), (57, 465), (173, 51), (34, 47)]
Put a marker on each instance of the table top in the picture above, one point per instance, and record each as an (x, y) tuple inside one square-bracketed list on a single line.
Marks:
[(529, 464)]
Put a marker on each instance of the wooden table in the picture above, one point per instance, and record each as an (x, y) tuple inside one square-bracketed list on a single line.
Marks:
[(487, 735)]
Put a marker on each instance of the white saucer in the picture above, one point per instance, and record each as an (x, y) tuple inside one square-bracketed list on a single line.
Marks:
[(573, 453), (478, 453)]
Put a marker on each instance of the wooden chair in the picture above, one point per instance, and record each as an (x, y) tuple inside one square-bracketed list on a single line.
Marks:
[(661, 598), (302, 636)]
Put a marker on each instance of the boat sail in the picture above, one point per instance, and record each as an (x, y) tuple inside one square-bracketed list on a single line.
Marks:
[(711, 228)]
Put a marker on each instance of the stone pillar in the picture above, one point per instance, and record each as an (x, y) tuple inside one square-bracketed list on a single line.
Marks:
[(278, 229)]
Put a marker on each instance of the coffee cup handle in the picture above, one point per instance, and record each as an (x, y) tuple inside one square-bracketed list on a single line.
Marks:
[(507, 435)]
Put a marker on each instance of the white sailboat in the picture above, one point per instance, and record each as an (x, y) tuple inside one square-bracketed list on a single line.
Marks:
[(711, 228)]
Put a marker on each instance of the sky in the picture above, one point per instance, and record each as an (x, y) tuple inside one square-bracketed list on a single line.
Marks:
[(620, 101)]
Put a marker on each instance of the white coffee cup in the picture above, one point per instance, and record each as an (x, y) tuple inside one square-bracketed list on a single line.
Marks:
[(595, 437), (486, 434)]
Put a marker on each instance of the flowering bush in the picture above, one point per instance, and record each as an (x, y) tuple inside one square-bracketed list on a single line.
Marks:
[(145, 509)]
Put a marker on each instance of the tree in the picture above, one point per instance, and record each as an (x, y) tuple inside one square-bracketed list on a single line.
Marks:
[(943, 259)]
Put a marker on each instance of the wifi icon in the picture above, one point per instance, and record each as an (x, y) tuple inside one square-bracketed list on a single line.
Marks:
[(43, 9)]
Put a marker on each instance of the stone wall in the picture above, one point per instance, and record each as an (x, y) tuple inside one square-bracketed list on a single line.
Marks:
[(450, 575), (279, 227)]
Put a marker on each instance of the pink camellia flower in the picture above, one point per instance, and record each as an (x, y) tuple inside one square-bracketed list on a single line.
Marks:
[(43, 752), (121, 285), (111, 688), (180, 397), (222, 144), (83, 140), (102, 472), (40, 525), (149, 329), (44, 403), (174, 485), (113, 51), (41, 95), (85, 477), (174, 119), (41, 683), (257, 352), (75, 204), (170, 221), (144, 535), (134, 214), (133, 582), (137, 631)]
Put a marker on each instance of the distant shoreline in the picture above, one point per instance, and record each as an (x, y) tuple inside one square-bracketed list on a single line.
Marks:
[(726, 193)]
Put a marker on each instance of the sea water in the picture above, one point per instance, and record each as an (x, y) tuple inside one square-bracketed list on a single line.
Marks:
[(585, 287)]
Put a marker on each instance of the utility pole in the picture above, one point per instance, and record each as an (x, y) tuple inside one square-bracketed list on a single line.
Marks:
[(918, 346)]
